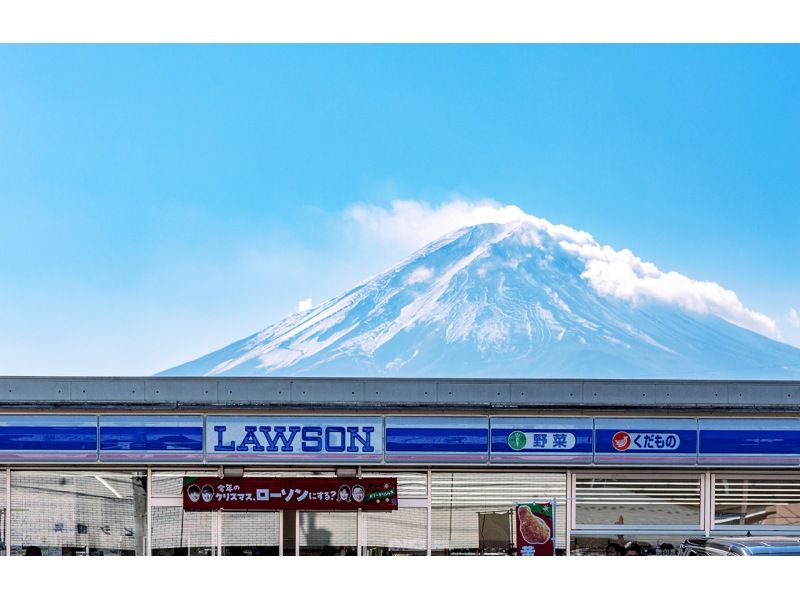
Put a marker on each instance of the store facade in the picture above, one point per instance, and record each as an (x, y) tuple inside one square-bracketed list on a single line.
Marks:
[(101, 466)]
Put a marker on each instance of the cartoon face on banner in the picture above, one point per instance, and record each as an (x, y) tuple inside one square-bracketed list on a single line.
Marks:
[(535, 529)]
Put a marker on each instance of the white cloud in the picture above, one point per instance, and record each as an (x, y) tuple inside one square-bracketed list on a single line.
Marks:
[(623, 275), (420, 274), (412, 224), (304, 304), (794, 318)]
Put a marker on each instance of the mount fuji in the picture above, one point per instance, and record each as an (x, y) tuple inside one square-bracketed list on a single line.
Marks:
[(518, 299)]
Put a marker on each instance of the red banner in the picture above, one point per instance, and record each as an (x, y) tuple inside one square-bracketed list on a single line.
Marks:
[(536, 529), (304, 494)]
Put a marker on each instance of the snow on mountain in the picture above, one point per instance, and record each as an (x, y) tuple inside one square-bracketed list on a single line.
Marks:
[(521, 299)]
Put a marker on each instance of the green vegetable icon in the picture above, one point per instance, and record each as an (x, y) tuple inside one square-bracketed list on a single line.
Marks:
[(516, 440)]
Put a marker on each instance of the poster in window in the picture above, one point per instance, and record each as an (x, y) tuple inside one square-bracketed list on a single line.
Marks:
[(536, 528)]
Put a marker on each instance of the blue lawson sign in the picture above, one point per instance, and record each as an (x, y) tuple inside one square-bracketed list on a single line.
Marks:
[(407, 439), (541, 440), (749, 442), (437, 439), (646, 441), (296, 439), (35, 438), (165, 438)]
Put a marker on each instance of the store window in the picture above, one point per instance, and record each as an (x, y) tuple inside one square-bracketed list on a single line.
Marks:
[(255, 533), (769, 502), (473, 513), (400, 532), (328, 533), (638, 500), (392, 533), (183, 533), (313, 539), (176, 532), (626, 544), (170, 483), (73, 513)]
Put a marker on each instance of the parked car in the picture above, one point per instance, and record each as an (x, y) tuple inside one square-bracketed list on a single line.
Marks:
[(741, 546)]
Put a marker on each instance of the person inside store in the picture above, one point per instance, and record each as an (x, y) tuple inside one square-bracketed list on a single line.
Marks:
[(33, 551), (633, 549), (614, 549)]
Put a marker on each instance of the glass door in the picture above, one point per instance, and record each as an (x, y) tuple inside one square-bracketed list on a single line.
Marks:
[(251, 533), (324, 533), (183, 533)]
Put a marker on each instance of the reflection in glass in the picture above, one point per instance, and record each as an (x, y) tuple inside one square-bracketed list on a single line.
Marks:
[(250, 533), (389, 533), (328, 533), (642, 500), (472, 513), (183, 533), (78, 513), (621, 545), (741, 501)]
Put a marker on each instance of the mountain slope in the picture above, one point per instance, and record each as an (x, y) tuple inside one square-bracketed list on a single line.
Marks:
[(499, 300)]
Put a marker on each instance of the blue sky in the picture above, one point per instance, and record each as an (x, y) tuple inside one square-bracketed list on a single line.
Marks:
[(158, 202)]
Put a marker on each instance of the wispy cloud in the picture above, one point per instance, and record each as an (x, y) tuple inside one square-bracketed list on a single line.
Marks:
[(611, 272), (793, 318), (304, 305), (411, 224), (420, 274)]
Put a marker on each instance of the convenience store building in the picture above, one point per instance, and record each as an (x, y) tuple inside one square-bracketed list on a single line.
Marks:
[(96, 466)]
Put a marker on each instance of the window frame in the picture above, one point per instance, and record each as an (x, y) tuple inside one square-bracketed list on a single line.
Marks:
[(578, 528), (742, 528)]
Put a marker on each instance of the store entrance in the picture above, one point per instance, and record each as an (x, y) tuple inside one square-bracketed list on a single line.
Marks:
[(251, 533), (307, 533), (321, 533)]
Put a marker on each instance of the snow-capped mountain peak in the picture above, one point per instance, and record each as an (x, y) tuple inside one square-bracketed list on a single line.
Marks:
[(523, 298)]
